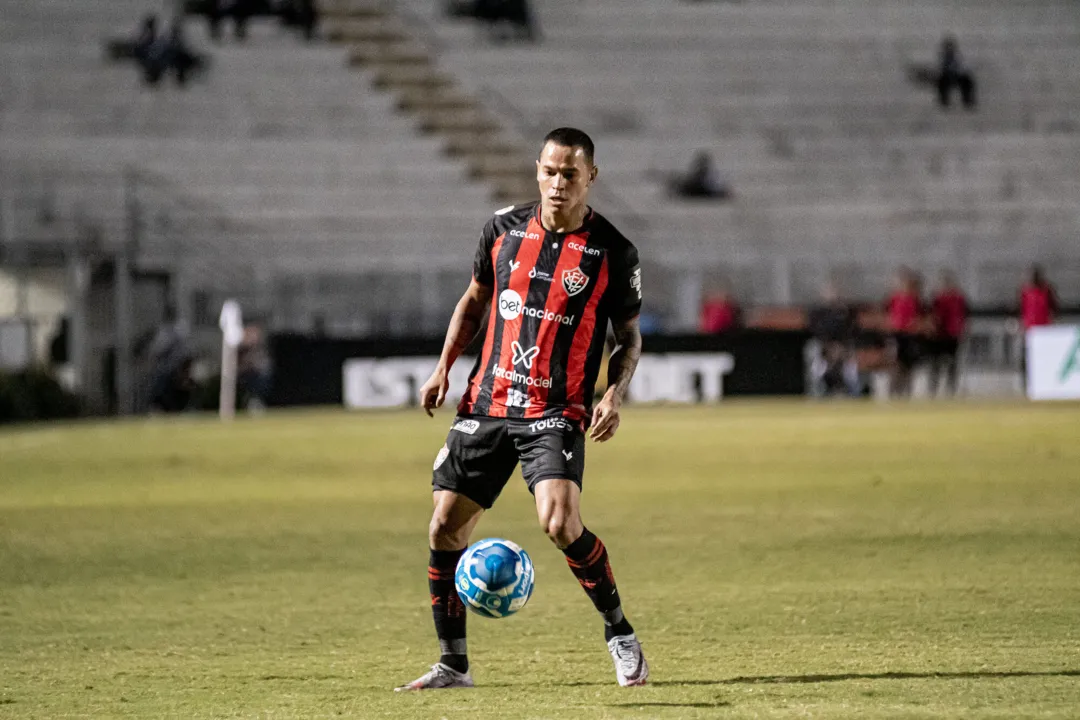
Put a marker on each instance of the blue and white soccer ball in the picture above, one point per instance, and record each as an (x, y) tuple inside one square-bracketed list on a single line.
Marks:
[(494, 578)]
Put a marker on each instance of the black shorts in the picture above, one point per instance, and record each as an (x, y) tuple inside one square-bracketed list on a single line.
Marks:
[(910, 350), (945, 347), (481, 453)]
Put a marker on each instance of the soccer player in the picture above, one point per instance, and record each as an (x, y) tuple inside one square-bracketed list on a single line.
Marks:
[(558, 273)]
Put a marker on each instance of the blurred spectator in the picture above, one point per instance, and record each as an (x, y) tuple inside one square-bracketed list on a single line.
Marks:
[(835, 365), (170, 53), (318, 326), (1038, 301), (170, 360), (239, 10), (907, 324), (954, 73), (702, 180), (497, 14), (59, 353), (720, 313), (1038, 306), (253, 370), (302, 14), (950, 313), (135, 47), (146, 37)]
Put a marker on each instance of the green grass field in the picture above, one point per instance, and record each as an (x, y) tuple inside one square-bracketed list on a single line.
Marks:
[(780, 560)]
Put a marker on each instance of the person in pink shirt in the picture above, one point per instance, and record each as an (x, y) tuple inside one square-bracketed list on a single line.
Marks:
[(720, 313), (1038, 306), (950, 312), (1038, 301), (906, 322)]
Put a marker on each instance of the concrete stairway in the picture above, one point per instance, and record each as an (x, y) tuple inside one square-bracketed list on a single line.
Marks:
[(381, 43)]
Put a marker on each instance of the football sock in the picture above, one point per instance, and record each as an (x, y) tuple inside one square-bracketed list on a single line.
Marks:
[(447, 608), (588, 560)]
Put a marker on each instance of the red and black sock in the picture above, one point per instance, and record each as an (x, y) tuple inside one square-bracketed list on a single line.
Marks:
[(447, 608), (588, 560)]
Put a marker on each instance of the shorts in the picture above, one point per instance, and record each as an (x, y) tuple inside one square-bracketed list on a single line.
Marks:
[(945, 347), (481, 453), (910, 350)]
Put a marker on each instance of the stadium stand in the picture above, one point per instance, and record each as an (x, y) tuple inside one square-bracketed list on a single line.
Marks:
[(841, 164), (278, 162), (318, 174)]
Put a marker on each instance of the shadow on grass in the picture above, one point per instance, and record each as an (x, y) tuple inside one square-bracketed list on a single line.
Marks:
[(567, 684), (790, 680), (304, 678), (672, 704), (840, 677)]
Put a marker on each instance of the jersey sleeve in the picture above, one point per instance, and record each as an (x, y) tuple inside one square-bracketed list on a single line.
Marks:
[(483, 269), (625, 284)]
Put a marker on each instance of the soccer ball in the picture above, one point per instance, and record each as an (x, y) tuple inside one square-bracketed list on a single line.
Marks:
[(494, 578)]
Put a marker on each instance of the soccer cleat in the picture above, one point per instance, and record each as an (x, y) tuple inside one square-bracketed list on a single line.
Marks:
[(630, 666), (439, 677)]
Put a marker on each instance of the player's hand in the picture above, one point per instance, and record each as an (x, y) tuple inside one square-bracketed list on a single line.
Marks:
[(605, 419), (433, 392)]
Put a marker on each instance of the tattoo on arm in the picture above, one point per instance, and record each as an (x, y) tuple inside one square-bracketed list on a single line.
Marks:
[(625, 356)]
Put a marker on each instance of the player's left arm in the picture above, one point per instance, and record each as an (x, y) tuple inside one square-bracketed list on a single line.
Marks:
[(625, 304), (621, 366)]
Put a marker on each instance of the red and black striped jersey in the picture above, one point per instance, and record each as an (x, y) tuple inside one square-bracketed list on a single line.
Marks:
[(553, 296)]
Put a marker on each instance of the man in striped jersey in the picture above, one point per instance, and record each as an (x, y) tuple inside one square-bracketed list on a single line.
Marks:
[(555, 274)]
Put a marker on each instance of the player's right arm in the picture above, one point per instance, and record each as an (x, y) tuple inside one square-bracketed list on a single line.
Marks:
[(466, 322)]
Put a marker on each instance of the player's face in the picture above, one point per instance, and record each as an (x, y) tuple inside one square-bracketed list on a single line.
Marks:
[(564, 175)]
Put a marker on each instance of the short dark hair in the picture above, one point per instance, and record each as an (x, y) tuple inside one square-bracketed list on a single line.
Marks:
[(572, 138)]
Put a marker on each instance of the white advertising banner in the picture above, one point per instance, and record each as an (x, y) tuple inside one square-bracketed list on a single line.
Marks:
[(16, 351), (395, 382), (1053, 362), (680, 377), (670, 377)]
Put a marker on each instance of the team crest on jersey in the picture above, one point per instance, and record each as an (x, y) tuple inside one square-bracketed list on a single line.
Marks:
[(574, 281)]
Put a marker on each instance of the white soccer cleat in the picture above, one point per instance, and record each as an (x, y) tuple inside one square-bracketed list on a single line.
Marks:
[(630, 665), (438, 678)]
